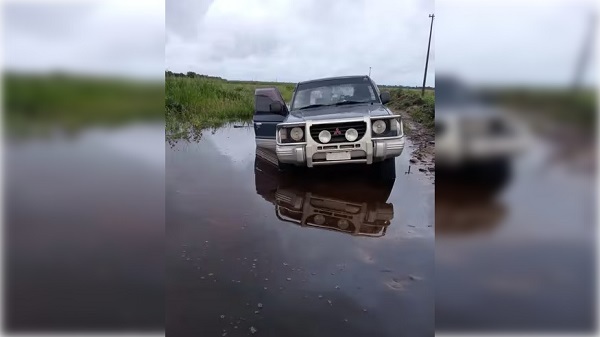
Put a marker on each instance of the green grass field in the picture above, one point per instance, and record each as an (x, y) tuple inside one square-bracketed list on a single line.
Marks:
[(41, 102), (572, 107), (420, 108), (204, 102), (201, 103)]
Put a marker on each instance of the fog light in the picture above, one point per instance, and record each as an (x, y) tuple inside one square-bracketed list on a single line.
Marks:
[(351, 135), (343, 224), (319, 219), (324, 136)]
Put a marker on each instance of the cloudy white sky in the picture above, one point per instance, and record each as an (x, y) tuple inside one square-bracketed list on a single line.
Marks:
[(494, 41), (514, 41), (290, 40), (106, 37)]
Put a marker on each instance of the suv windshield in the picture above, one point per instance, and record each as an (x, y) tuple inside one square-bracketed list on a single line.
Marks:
[(451, 92), (352, 90)]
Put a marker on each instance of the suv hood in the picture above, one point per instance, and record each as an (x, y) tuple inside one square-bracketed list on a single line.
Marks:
[(337, 112)]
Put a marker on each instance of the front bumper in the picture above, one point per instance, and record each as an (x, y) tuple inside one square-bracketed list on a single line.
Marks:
[(479, 150), (366, 151)]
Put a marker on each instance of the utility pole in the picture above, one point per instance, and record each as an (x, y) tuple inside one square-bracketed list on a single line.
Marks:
[(427, 59), (369, 71), (585, 53)]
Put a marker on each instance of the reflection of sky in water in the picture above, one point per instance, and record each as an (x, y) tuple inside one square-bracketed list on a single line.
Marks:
[(534, 270), (240, 151), (92, 207), (138, 142), (545, 201), (213, 201)]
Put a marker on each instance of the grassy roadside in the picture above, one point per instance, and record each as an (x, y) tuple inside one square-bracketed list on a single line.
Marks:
[(39, 103), (197, 102), (568, 107), (36, 103), (421, 109)]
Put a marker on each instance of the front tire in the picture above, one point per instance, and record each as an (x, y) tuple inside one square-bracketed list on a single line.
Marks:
[(497, 173), (489, 176), (285, 167)]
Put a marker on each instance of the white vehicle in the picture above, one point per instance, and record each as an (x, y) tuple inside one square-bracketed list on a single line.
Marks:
[(473, 137)]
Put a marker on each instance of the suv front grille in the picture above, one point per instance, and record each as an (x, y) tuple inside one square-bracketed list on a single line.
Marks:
[(360, 126)]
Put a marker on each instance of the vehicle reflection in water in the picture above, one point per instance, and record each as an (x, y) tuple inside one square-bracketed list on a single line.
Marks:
[(463, 209), (321, 199)]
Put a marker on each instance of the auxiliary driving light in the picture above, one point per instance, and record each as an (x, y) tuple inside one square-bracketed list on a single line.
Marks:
[(351, 135), (324, 136), (343, 224)]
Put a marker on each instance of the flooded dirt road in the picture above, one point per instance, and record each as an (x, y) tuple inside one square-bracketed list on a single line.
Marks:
[(84, 231), (250, 250), (522, 260)]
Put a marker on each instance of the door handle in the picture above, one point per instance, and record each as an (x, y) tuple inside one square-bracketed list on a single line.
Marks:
[(258, 124)]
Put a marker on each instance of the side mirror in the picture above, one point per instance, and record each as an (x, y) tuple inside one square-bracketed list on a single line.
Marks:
[(385, 97), (276, 107)]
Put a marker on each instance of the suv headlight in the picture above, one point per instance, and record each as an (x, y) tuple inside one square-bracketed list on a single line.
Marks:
[(395, 126), (379, 127), (291, 134), (386, 127), (297, 134)]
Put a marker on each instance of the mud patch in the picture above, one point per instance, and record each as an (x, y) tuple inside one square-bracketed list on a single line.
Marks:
[(423, 144)]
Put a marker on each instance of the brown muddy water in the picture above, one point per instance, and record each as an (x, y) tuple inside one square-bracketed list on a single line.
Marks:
[(520, 260), (252, 250)]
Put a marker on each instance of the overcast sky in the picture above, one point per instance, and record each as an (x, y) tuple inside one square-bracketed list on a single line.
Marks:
[(291, 40), (493, 41), (513, 41), (107, 37)]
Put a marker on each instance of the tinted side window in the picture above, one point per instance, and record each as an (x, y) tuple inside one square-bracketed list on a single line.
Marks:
[(261, 104)]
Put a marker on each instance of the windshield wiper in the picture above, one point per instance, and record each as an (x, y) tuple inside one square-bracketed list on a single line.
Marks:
[(350, 102), (311, 106)]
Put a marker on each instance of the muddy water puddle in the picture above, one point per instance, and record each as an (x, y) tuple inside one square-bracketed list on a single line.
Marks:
[(520, 259), (84, 231), (252, 250)]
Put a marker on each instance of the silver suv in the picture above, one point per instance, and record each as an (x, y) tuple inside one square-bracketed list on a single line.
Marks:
[(330, 121)]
